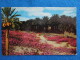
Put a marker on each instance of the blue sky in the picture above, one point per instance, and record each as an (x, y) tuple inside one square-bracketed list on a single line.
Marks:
[(33, 12)]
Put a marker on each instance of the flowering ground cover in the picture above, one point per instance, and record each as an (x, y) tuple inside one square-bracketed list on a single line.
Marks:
[(58, 39), (26, 43)]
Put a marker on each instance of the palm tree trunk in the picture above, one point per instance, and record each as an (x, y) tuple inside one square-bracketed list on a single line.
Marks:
[(7, 41)]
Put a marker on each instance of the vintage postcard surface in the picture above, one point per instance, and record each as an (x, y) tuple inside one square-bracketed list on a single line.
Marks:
[(38, 30)]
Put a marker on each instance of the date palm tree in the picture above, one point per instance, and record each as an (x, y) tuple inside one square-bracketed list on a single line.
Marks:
[(8, 17)]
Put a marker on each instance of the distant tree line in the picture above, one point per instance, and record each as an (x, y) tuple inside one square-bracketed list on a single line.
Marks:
[(55, 23)]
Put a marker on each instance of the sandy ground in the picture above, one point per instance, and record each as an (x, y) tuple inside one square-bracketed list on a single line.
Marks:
[(44, 40)]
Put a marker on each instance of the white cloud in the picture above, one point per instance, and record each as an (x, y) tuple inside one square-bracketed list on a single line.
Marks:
[(60, 8), (39, 14), (38, 9), (69, 11), (33, 11), (23, 18), (29, 9)]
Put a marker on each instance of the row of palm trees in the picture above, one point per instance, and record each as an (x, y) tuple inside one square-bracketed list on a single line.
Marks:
[(56, 24)]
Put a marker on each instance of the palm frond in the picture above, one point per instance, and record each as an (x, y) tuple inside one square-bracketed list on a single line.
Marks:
[(6, 11), (14, 16), (12, 11)]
